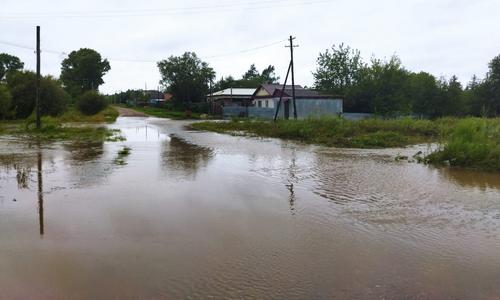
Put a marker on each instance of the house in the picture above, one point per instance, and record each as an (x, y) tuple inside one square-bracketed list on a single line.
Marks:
[(230, 97), (308, 102)]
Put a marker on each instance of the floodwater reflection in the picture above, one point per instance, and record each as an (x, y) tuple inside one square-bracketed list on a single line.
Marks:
[(183, 158), (473, 179), (204, 215)]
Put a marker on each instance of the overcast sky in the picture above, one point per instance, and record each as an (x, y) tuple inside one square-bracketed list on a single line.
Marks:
[(443, 37)]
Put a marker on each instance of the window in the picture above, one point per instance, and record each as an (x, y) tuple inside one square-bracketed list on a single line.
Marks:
[(259, 103)]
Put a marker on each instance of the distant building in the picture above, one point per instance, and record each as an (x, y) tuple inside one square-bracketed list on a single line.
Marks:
[(231, 97), (309, 102)]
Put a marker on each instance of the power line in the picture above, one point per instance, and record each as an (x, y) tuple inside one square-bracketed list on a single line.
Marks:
[(173, 11), (150, 60)]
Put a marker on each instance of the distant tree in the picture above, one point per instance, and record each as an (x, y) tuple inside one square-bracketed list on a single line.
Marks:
[(268, 75), (224, 83), (53, 99), (423, 91), (338, 69), (383, 89), (492, 85), (9, 63), (186, 77), (5, 102), (91, 103), (83, 70), (252, 73)]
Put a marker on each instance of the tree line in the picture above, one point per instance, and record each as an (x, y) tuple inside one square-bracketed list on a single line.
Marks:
[(380, 86), (82, 73), (387, 88)]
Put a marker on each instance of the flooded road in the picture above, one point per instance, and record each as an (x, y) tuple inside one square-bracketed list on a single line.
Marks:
[(201, 215)]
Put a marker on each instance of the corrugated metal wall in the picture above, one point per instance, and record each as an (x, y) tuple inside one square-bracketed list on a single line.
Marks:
[(305, 108)]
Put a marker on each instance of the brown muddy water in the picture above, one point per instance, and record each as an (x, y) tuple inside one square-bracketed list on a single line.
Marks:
[(191, 215)]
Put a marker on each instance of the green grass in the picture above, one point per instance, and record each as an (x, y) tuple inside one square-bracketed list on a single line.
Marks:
[(338, 132), (472, 143), (109, 115), (53, 130), (125, 151), (163, 113)]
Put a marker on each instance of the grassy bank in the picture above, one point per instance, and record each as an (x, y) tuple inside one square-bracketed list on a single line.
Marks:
[(472, 143), (468, 143), (337, 132), (55, 128), (72, 115), (163, 113)]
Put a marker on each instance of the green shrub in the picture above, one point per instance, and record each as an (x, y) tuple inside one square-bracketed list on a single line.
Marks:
[(473, 143), (53, 99), (91, 103), (5, 103)]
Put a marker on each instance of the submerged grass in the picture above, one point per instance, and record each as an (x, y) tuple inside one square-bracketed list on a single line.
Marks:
[(57, 128), (338, 132), (468, 142), (163, 113)]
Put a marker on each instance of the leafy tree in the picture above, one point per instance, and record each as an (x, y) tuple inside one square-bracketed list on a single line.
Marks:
[(186, 77), (268, 75), (91, 103), (53, 99), (224, 83), (252, 73), (424, 92), (493, 86), (338, 69), (9, 63), (251, 79), (5, 102), (383, 89), (83, 70)]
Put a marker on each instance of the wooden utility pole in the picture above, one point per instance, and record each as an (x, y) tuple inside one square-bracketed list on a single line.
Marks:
[(290, 69), (37, 101), (293, 75)]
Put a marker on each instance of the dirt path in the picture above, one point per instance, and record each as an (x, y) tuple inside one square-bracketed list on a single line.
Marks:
[(127, 112)]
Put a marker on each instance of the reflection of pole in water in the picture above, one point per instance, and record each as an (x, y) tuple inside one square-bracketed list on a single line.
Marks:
[(40, 192), (292, 178)]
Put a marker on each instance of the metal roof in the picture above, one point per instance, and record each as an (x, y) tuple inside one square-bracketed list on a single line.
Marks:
[(234, 92)]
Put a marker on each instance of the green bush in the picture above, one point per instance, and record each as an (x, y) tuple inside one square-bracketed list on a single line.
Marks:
[(91, 103), (22, 86), (473, 143), (5, 102)]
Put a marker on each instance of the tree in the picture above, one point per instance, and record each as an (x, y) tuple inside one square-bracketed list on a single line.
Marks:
[(9, 63), (383, 88), (186, 77), (5, 102), (268, 75), (83, 70), (338, 69), (252, 73), (91, 102), (492, 85), (53, 99), (424, 92)]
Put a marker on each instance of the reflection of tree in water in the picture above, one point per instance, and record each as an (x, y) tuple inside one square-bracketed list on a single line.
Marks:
[(81, 152), (473, 179), (182, 158), (88, 165), (22, 165)]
